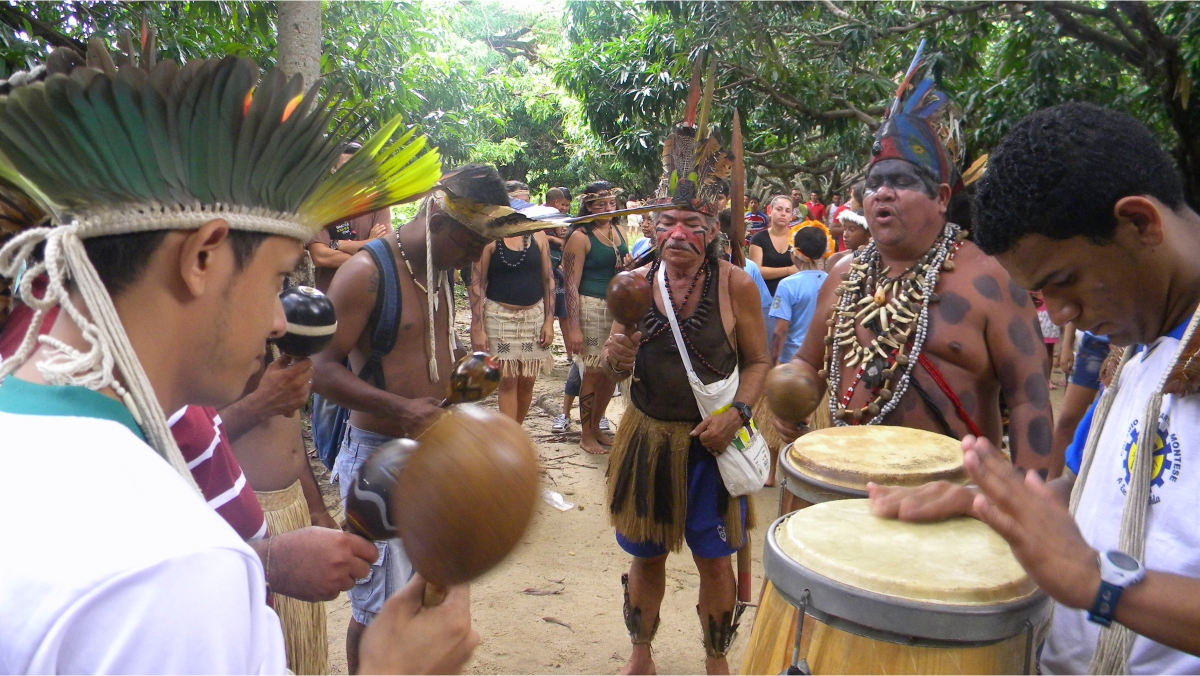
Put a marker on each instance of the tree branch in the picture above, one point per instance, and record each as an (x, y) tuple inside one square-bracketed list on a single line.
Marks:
[(938, 18), (1076, 29), (16, 19), (839, 12), (765, 87)]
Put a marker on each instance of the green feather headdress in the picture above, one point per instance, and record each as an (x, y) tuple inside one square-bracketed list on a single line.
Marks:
[(114, 147)]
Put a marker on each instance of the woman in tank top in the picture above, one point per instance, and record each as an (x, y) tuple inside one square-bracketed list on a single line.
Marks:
[(770, 249), (593, 254), (512, 314)]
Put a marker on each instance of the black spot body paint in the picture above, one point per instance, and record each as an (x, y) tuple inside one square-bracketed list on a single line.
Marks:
[(953, 307), (988, 287), (1019, 296), (1037, 390), (1037, 330), (1020, 336), (1040, 435)]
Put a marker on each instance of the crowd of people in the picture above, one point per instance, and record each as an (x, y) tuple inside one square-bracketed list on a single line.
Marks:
[(140, 355)]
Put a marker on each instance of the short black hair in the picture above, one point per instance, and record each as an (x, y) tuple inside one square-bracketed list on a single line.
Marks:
[(121, 259), (858, 190), (725, 219), (1060, 171), (557, 194), (479, 182), (811, 242), (513, 186)]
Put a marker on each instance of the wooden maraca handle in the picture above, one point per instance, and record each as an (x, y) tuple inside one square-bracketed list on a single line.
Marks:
[(434, 595)]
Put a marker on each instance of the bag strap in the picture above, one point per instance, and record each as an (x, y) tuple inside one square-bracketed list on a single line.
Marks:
[(670, 307), (388, 301)]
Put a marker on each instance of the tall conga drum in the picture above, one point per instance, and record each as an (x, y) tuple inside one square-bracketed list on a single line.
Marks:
[(881, 596), (836, 463)]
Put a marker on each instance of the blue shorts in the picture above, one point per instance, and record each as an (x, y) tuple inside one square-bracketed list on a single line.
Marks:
[(1088, 360), (392, 570), (704, 530)]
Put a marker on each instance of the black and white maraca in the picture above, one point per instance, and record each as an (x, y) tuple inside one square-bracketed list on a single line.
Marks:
[(311, 321)]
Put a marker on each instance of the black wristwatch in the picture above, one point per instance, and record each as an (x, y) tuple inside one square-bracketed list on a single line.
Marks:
[(743, 410)]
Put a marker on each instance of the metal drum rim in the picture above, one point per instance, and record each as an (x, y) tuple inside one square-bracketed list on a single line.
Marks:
[(977, 624)]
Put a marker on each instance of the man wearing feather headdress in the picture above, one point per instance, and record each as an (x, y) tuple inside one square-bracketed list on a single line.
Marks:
[(1083, 204), (664, 485), (177, 200), (395, 392), (921, 329)]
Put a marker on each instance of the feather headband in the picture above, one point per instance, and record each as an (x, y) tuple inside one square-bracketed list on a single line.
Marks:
[(110, 147)]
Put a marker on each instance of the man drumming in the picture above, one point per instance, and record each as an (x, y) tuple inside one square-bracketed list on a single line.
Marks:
[(395, 392), (664, 485), (1083, 204), (921, 329)]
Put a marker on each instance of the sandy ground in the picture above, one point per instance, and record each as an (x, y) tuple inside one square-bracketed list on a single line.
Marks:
[(554, 606)]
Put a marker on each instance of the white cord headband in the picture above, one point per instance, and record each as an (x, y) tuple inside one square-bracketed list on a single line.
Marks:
[(65, 258)]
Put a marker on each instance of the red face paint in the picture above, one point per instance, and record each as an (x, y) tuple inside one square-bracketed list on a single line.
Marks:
[(672, 234)]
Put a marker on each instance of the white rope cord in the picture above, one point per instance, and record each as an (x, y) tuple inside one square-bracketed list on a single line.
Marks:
[(65, 258), (431, 299), (1116, 641)]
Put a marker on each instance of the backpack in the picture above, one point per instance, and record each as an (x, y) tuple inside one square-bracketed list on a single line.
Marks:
[(329, 421)]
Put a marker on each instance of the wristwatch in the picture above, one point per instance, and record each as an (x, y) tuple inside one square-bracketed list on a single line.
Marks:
[(1118, 571), (743, 410)]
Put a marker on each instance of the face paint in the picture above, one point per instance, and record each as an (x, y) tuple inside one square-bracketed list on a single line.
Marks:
[(897, 175), (675, 234)]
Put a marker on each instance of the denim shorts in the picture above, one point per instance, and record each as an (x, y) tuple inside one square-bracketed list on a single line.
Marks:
[(392, 570), (1088, 360), (704, 527)]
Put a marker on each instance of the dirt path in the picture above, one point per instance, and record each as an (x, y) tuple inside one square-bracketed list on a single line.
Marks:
[(554, 606)]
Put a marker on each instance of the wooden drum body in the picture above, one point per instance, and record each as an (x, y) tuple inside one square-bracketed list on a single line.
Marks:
[(836, 463), (884, 596)]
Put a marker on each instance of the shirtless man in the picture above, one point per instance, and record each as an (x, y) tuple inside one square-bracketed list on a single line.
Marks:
[(452, 232), (983, 335)]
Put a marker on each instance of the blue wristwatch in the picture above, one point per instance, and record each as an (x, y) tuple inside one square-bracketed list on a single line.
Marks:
[(1118, 571)]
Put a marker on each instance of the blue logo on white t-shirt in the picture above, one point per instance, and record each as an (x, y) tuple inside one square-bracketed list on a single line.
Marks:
[(1166, 462)]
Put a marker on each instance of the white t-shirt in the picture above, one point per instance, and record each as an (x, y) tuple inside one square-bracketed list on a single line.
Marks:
[(111, 563), (1172, 534)]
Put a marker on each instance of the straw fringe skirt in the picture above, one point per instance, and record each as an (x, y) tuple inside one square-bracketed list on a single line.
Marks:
[(648, 482), (595, 322), (303, 622), (513, 339)]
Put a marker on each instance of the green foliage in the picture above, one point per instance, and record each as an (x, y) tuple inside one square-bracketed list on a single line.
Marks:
[(812, 80)]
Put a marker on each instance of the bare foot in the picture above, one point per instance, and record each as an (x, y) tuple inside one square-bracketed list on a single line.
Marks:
[(593, 447), (716, 665), (640, 662), (604, 438)]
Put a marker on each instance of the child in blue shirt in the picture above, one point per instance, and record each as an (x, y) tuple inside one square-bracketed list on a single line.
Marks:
[(796, 297)]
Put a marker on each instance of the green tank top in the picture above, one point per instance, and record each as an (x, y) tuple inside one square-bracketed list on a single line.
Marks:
[(600, 266)]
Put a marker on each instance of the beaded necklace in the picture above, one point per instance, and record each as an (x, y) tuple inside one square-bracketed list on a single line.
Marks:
[(520, 259), (404, 257), (664, 326), (896, 310)]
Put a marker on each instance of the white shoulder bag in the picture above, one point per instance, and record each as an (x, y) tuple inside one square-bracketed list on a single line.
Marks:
[(746, 462)]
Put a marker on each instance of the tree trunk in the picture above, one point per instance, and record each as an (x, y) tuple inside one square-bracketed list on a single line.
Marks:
[(299, 44), (300, 39)]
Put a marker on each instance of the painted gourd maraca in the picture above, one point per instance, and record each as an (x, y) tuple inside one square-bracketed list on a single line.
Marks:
[(311, 321), (791, 394), (466, 495), (473, 378), (369, 497), (629, 297)]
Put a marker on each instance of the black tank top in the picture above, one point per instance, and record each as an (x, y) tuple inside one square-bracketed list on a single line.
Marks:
[(515, 277), (660, 387), (771, 257)]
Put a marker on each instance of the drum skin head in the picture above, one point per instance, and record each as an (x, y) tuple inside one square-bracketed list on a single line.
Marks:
[(956, 562), (890, 456)]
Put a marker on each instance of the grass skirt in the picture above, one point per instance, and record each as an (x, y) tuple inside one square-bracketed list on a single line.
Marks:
[(595, 322), (304, 636), (513, 338), (648, 482)]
